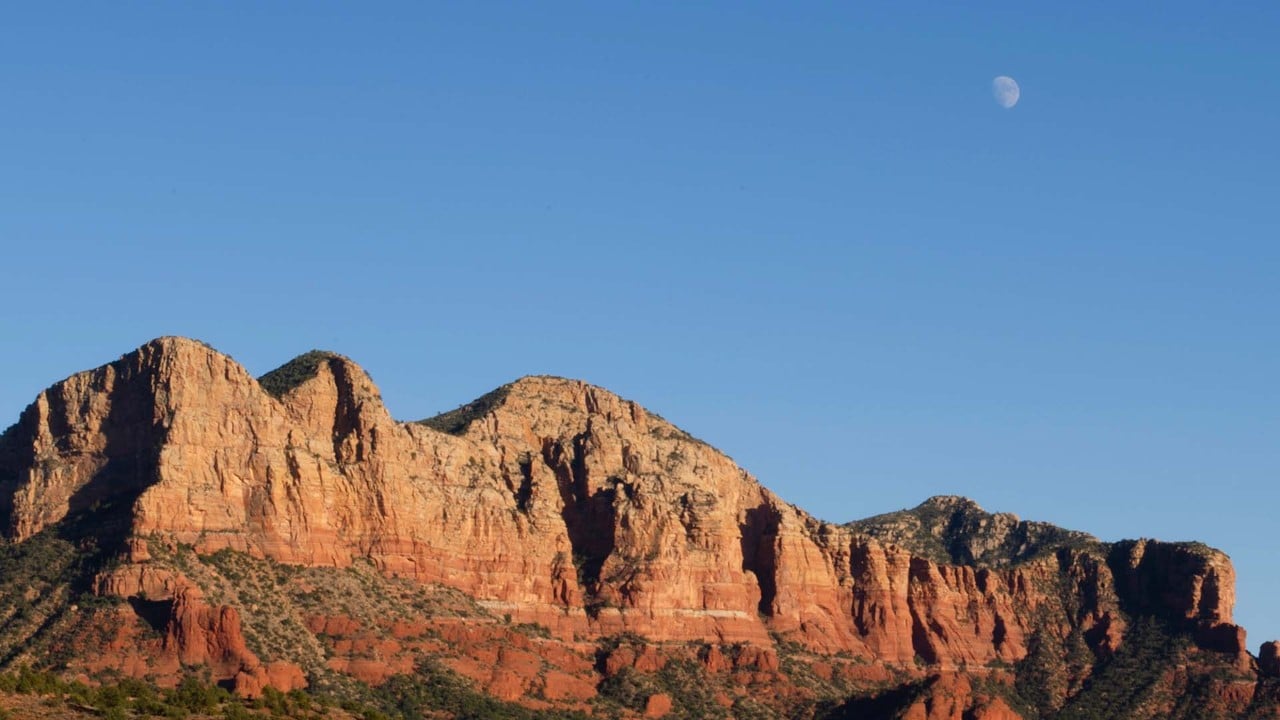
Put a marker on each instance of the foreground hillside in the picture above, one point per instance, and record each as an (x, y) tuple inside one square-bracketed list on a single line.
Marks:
[(552, 549)]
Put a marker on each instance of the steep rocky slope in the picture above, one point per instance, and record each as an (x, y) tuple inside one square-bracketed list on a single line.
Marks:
[(560, 547)]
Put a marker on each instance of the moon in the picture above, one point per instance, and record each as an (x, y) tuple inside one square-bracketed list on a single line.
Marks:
[(1006, 91)]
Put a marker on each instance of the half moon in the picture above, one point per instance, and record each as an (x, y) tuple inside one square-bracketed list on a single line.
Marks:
[(1006, 91)]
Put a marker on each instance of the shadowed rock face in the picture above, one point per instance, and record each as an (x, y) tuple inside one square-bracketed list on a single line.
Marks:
[(557, 503)]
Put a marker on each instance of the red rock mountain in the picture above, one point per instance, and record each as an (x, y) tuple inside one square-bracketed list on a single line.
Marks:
[(556, 546)]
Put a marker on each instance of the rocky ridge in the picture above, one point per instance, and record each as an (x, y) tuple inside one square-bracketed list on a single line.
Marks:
[(594, 550)]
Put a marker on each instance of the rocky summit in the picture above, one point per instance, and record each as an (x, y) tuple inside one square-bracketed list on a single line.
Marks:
[(552, 550)]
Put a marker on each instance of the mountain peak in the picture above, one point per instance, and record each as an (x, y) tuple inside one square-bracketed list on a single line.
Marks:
[(174, 341), (537, 392), (951, 502), (955, 529), (282, 380)]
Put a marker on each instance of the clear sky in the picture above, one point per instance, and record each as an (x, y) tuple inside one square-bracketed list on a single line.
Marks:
[(805, 232)]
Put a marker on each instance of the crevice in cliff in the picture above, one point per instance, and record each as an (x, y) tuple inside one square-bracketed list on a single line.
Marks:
[(859, 560), (589, 517), (758, 537), (999, 633), (346, 416), (524, 493), (921, 641)]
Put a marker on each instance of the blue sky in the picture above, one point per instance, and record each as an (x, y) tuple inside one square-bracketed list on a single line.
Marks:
[(806, 233)]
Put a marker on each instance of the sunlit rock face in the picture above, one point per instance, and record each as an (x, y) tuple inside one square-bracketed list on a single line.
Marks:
[(559, 504)]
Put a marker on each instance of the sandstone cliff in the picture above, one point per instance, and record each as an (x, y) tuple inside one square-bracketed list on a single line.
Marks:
[(555, 505)]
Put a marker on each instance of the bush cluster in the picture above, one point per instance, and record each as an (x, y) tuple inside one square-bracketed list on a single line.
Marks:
[(434, 688), (280, 381), (131, 698)]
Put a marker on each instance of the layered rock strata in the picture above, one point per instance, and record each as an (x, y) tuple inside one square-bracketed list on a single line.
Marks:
[(557, 503)]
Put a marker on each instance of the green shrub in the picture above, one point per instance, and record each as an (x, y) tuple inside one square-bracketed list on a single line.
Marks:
[(1124, 683), (235, 711), (280, 381), (434, 688), (196, 696), (456, 421)]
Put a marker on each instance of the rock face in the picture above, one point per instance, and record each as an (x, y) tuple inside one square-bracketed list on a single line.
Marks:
[(555, 503)]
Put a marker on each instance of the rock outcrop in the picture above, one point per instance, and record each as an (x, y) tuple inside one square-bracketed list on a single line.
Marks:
[(556, 504)]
